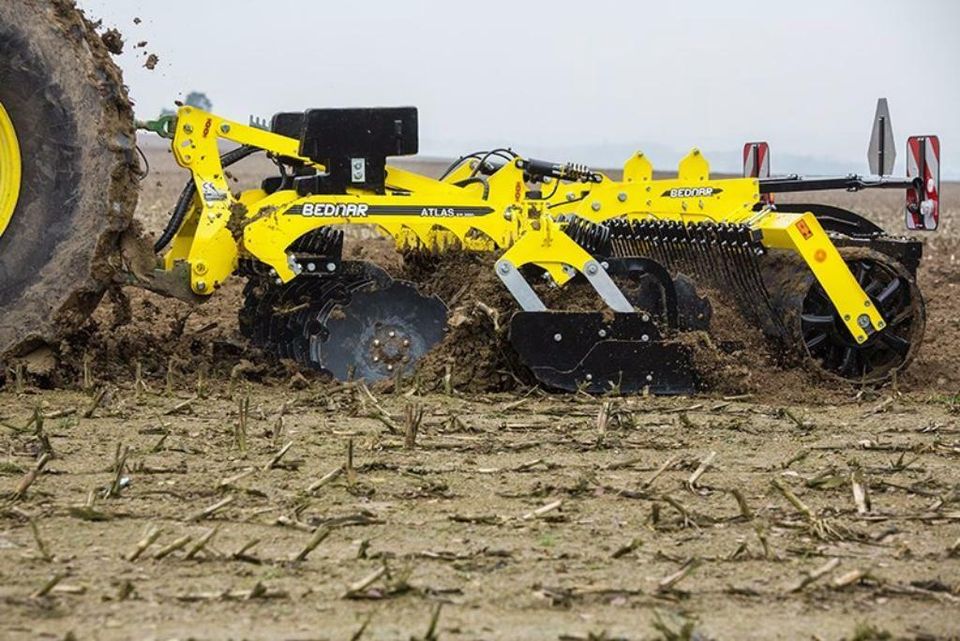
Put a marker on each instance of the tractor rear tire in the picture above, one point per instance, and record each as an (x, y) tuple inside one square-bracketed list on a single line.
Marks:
[(74, 126)]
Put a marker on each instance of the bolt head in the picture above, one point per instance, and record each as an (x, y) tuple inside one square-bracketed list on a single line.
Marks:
[(376, 342), (645, 338), (595, 206), (504, 268), (392, 334), (225, 128), (406, 343), (558, 337), (201, 286), (589, 377), (188, 129), (863, 321), (622, 197), (331, 267), (376, 359), (602, 333), (592, 269), (389, 368), (649, 378), (311, 267), (645, 318)]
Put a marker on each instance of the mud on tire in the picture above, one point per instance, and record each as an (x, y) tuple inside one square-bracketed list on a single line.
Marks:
[(76, 134)]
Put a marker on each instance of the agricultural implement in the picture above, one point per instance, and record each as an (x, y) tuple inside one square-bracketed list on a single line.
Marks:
[(827, 285)]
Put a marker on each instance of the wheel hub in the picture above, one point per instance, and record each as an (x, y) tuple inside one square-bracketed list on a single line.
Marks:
[(381, 331), (390, 346), (10, 169)]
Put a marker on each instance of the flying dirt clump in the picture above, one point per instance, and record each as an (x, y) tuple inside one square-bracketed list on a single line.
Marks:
[(113, 41)]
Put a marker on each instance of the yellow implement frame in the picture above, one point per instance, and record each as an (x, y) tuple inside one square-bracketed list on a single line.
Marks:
[(417, 209)]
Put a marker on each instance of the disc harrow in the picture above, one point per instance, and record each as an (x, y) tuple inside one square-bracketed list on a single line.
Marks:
[(357, 323), (655, 252)]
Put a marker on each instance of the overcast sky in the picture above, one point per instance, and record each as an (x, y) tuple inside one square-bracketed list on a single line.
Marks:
[(576, 80)]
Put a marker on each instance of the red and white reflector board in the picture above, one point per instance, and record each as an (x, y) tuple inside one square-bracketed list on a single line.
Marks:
[(923, 161), (756, 160), (756, 164)]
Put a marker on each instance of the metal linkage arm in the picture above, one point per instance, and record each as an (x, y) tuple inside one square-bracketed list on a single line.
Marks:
[(853, 182)]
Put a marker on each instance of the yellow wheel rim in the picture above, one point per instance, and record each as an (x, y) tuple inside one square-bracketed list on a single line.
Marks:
[(10, 169)]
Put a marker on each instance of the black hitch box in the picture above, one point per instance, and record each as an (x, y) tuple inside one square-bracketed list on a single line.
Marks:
[(353, 144)]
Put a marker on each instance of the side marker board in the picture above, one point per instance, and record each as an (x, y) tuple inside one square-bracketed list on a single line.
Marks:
[(756, 164), (923, 204), (756, 160)]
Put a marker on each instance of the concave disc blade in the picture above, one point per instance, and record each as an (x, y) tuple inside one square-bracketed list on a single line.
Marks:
[(379, 332)]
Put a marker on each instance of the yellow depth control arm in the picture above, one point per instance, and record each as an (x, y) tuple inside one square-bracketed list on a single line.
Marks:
[(803, 234)]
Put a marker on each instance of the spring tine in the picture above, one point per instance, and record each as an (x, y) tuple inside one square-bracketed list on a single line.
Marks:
[(698, 233), (732, 276), (711, 262), (722, 256), (671, 248), (737, 266), (656, 247), (750, 271), (755, 250), (696, 250), (743, 274), (680, 233)]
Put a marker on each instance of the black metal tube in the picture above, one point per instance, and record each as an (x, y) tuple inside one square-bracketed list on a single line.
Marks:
[(188, 193), (795, 183)]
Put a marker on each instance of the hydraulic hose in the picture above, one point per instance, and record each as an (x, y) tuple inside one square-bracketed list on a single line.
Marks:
[(190, 191)]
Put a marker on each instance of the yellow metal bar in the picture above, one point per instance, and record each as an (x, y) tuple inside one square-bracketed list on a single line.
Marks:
[(803, 234), (549, 248), (692, 197)]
